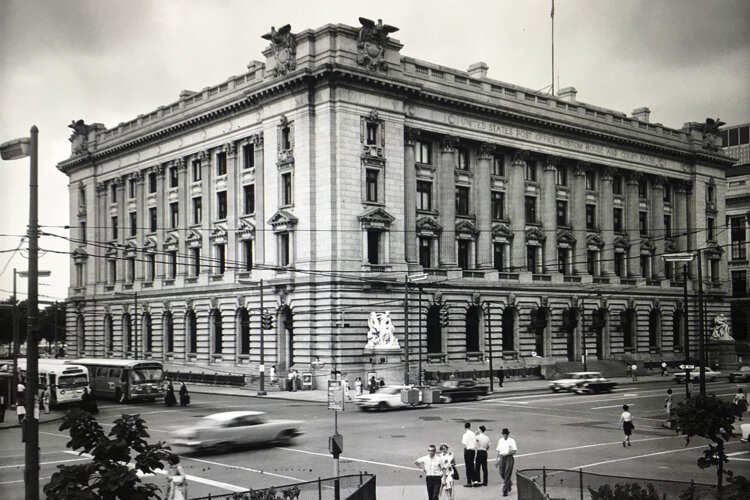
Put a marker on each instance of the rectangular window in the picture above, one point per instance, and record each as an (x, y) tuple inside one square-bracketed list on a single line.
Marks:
[(129, 269), (499, 251), (645, 262), (617, 184), (739, 283), (463, 159), (221, 205), (590, 180), (79, 274), (172, 264), (498, 205), (152, 182), (531, 209), (286, 188), (531, 171), (111, 272), (248, 156), (173, 179), (286, 138), (425, 252), (114, 227), (195, 257), (196, 170), (220, 258), (423, 152), (562, 175), (744, 135), (152, 222), (150, 267), (710, 193), (373, 246), (372, 133), (133, 223), (131, 188), (248, 194), (462, 200), (737, 237), (221, 164), (667, 193), (498, 166), (174, 215), (284, 249), (591, 217), (562, 213), (424, 195), (667, 226), (642, 188), (531, 258), (371, 184), (620, 264), (563, 257), (710, 229), (197, 210), (643, 223), (464, 253), (83, 232), (247, 255), (617, 220), (713, 267), (112, 193), (592, 258)]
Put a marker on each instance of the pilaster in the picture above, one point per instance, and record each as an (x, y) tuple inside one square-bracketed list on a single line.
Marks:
[(517, 209), (657, 226), (631, 225), (447, 210), (578, 216), (410, 194), (606, 222), (259, 254), (482, 186), (549, 212)]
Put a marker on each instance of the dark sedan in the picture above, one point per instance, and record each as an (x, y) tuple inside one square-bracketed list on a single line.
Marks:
[(461, 390), (742, 374)]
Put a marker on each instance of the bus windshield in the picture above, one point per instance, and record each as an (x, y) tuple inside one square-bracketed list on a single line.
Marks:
[(67, 381), (144, 375)]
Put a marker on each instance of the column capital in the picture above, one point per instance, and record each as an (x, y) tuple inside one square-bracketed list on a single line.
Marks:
[(230, 149), (608, 173), (633, 177), (486, 151), (685, 187), (658, 182), (137, 176), (180, 165), (411, 135), (158, 170), (551, 162), (581, 167), (520, 156), (205, 157), (448, 143)]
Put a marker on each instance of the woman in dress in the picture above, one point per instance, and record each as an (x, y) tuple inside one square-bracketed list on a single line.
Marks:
[(177, 483), (358, 386), (169, 397), (447, 466), (740, 403), (626, 421), (184, 395)]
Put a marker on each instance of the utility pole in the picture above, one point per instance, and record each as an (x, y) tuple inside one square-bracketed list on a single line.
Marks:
[(406, 329), (262, 367)]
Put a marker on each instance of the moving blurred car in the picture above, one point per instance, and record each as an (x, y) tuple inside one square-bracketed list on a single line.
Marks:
[(695, 375), (231, 429), (745, 430), (461, 390), (594, 386), (385, 398), (571, 380), (742, 374)]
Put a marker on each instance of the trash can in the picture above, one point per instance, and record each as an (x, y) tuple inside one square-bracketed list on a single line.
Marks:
[(410, 396), (430, 396), (307, 381)]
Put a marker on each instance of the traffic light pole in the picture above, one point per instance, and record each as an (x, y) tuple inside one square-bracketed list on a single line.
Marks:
[(262, 367)]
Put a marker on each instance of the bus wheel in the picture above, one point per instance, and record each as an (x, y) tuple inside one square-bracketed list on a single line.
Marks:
[(120, 397)]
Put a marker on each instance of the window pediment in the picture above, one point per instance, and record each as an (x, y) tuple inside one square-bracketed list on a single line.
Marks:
[(713, 251), (150, 245), (194, 239), (283, 221), (534, 235), (621, 242), (219, 234), (647, 246), (111, 250), (375, 218), (427, 226), (466, 229), (565, 238), (171, 242), (246, 230), (131, 248), (594, 241), (80, 254), (501, 233)]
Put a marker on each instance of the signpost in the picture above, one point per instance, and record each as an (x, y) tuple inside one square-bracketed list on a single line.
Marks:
[(336, 398)]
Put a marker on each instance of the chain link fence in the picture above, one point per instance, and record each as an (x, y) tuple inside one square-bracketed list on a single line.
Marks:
[(352, 487), (562, 484)]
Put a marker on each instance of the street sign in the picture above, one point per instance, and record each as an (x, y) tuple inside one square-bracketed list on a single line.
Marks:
[(336, 395), (687, 367)]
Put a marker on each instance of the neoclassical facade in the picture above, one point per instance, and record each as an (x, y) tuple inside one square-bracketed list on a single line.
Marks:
[(315, 186)]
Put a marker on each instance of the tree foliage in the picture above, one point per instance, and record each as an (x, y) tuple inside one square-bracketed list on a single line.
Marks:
[(116, 459), (628, 491)]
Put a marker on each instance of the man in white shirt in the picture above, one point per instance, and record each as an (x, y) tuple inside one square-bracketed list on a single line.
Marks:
[(469, 440), (430, 464), (483, 445), (506, 448)]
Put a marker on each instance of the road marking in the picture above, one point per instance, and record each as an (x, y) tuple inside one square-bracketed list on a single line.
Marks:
[(610, 406), (328, 455), (21, 480), (640, 456), (266, 473), (45, 463)]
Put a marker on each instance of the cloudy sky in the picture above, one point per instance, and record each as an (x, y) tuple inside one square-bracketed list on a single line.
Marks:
[(108, 61)]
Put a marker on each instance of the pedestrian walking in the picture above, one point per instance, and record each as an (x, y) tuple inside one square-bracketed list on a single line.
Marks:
[(45, 400), (184, 395), (483, 446), (430, 465), (20, 411), (668, 402), (740, 403), (500, 376), (626, 421), (448, 468), (358, 386), (88, 402), (663, 369), (274, 377), (506, 448), (169, 397), (20, 392), (469, 441), (176, 483), (373, 385), (382, 382), (290, 380), (634, 372), (295, 380)]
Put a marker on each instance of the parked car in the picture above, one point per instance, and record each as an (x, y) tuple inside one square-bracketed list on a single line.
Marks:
[(462, 390), (711, 375), (742, 374), (385, 398), (571, 380), (236, 429)]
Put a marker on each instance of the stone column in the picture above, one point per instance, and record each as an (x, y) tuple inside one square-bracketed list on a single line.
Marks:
[(410, 194), (447, 207), (632, 202), (657, 226), (259, 253), (140, 234), (516, 198), (549, 213), (184, 218), (680, 219), (208, 176), (99, 230), (234, 210), (578, 215), (122, 227), (482, 185), (606, 222)]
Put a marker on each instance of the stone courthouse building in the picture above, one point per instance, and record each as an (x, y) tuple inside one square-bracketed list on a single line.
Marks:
[(317, 186)]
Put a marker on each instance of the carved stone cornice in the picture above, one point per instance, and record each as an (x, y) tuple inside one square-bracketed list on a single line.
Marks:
[(411, 135), (486, 151), (448, 143)]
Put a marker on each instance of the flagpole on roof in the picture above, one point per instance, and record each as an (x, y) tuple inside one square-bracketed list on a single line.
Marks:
[(552, 15)]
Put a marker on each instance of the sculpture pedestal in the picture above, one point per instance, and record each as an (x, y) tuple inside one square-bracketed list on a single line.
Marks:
[(384, 362), (725, 353)]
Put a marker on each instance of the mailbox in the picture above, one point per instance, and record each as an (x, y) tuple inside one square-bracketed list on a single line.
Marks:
[(410, 396), (430, 396)]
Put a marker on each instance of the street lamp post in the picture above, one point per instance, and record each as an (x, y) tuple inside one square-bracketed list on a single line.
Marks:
[(407, 279), (701, 331), (12, 150), (262, 367)]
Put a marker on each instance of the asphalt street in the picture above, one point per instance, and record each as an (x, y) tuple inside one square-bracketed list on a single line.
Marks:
[(552, 430)]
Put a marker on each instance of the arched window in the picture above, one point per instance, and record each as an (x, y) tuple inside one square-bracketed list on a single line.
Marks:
[(168, 329), (127, 338), (243, 328), (473, 322), (148, 332), (678, 328), (628, 323), (434, 331), (539, 322), (217, 331), (191, 332), (509, 329), (654, 329), (108, 335)]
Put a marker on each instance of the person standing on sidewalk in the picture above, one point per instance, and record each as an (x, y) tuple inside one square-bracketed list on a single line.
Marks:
[(358, 386), (448, 466), (500, 376), (483, 446), (430, 464), (184, 395), (626, 421), (469, 440), (506, 448), (663, 369), (740, 403), (634, 372)]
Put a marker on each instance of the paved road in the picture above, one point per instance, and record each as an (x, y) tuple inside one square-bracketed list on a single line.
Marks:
[(552, 430)]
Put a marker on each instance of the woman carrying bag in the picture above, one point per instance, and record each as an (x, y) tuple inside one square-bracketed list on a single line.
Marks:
[(450, 473)]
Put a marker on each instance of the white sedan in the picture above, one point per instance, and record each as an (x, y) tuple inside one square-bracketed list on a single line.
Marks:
[(386, 398), (695, 375), (572, 380), (236, 429)]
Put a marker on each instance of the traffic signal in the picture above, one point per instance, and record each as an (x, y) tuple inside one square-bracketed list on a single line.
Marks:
[(266, 322), (444, 316), (336, 445)]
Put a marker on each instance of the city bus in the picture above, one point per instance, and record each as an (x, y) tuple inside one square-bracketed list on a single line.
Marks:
[(124, 379), (65, 381)]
